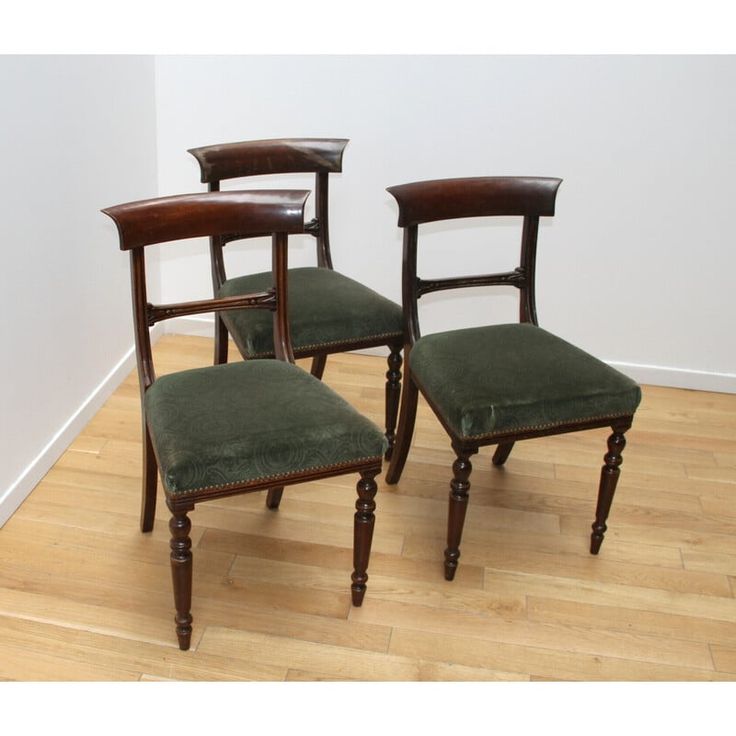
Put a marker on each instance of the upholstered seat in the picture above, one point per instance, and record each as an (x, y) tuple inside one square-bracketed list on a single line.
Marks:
[(316, 297), (251, 421), (497, 379)]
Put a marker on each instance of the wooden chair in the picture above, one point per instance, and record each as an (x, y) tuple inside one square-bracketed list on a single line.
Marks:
[(495, 385), (241, 427), (329, 313)]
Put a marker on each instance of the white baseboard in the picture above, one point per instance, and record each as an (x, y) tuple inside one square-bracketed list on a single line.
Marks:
[(197, 326), (656, 375), (14, 496)]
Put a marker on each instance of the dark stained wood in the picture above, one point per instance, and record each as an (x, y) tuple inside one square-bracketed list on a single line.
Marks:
[(609, 478), (259, 300), (393, 393), (318, 365), (510, 278), (273, 497), (281, 330), (446, 199), (363, 534), (181, 574), (527, 301), (321, 224), (184, 216), (459, 487), (150, 482), (321, 156), (429, 201), (144, 356), (274, 156), (407, 416), (501, 455)]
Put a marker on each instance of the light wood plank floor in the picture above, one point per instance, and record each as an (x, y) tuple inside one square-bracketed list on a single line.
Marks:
[(85, 596)]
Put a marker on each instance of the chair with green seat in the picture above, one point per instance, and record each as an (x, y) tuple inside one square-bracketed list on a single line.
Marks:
[(495, 385), (241, 427), (329, 312)]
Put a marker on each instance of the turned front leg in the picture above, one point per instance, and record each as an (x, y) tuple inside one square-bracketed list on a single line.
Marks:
[(181, 573), (459, 487), (363, 533), (609, 478)]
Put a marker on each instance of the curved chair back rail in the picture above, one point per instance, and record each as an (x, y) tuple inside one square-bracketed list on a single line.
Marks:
[(275, 156), (447, 199), (184, 216)]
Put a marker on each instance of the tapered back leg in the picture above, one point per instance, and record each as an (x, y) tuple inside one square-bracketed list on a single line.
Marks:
[(150, 482), (318, 365), (501, 455), (407, 417)]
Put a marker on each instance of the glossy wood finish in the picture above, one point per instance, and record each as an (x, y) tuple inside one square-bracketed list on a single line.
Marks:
[(447, 199), (484, 196), (322, 157), (84, 596), (148, 222), (181, 574), (609, 478), (459, 487), (364, 522), (274, 156), (184, 216)]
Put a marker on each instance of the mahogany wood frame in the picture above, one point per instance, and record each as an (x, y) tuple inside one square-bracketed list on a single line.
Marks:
[(321, 156), (160, 220), (430, 201)]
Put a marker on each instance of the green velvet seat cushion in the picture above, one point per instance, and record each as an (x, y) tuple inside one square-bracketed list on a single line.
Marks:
[(326, 309), (487, 381), (251, 420)]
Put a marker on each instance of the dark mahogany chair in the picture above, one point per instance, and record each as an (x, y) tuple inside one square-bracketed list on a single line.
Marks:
[(498, 384), (329, 312), (240, 427)]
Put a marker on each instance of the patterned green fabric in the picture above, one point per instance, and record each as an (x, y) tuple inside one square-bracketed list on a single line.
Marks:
[(486, 381), (325, 309), (251, 420)]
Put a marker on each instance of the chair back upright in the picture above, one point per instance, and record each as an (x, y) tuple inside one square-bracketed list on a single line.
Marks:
[(321, 156), (448, 199), (161, 220)]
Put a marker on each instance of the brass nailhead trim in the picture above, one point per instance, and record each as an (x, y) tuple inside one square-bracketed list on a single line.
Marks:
[(177, 494)]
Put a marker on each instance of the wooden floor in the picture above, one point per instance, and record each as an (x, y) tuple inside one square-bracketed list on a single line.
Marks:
[(85, 596)]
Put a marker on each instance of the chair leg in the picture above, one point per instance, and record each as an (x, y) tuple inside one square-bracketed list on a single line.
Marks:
[(363, 533), (181, 574), (273, 498), (318, 366), (502, 453), (609, 478), (460, 485), (150, 482), (407, 416), (393, 394), (221, 342)]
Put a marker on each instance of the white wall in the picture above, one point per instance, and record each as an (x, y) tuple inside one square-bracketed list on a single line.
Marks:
[(645, 146), (78, 134)]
